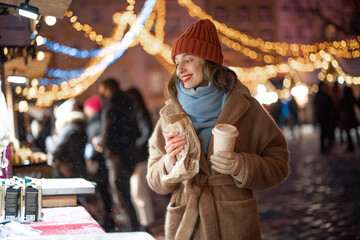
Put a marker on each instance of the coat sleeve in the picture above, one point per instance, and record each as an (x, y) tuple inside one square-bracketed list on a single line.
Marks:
[(156, 163), (267, 164)]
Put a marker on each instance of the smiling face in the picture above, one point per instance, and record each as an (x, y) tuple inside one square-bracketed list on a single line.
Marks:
[(189, 69)]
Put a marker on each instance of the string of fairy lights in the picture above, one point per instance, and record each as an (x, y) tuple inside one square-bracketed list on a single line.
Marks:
[(304, 58), (107, 55), (337, 48), (121, 19)]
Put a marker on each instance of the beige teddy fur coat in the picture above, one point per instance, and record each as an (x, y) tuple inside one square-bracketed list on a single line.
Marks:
[(216, 206)]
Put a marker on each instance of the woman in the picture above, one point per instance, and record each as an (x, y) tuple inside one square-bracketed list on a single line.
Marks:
[(215, 200)]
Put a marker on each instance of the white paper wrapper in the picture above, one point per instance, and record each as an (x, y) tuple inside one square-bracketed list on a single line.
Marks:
[(187, 165), (16, 229)]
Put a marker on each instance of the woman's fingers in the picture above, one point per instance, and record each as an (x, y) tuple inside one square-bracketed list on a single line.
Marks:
[(226, 162), (221, 164), (172, 139), (174, 146), (221, 160), (170, 135), (172, 155), (224, 154)]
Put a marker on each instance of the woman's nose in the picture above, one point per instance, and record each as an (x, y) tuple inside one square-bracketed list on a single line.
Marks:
[(180, 67)]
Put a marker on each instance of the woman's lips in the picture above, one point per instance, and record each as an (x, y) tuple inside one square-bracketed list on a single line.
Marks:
[(186, 78)]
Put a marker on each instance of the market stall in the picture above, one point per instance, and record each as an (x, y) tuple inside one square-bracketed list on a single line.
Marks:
[(25, 162)]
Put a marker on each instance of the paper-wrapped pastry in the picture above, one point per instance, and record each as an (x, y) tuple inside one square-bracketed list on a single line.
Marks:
[(187, 164)]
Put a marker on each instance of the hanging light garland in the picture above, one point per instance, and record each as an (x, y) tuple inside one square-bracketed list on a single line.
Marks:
[(154, 45), (122, 20), (89, 32), (147, 41), (127, 18), (256, 74), (339, 74), (96, 66), (337, 48), (65, 50)]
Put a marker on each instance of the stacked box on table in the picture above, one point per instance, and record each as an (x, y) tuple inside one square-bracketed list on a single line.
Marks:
[(59, 192)]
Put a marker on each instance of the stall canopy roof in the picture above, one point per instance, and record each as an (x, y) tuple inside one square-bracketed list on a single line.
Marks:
[(30, 69), (55, 8)]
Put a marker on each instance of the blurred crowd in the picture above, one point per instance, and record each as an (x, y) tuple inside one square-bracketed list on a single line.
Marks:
[(334, 111), (104, 139)]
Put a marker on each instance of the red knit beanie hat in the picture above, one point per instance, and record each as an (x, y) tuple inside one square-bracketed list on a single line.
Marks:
[(200, 39), (94, 103)]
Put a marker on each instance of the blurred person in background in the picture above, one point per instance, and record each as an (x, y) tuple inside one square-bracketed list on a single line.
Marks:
[(40, 130), (275, 112), (336, 93), (95, 160), (117, 137), (324, 111), (140, 190), (294, 115), (348, 120), (67, 145)]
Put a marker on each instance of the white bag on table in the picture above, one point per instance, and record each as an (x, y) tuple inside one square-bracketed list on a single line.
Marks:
[(5, 129)]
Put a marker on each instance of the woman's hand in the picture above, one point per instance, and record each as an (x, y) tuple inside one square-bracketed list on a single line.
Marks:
[(227, 162), (174, 144)]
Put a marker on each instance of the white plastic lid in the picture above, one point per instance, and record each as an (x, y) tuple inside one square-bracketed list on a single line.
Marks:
[(226, 130)]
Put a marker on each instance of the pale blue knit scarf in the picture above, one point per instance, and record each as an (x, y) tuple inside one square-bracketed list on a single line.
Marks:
[(203, 105)]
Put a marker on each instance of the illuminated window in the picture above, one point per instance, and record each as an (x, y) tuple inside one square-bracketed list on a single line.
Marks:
[(96, 16), (156, 85), (300, 6), (286, 34), (243, 14), (303, 33), (318, 4), (285, 5), (264, 14), (172, 24), (331, 4), (266, 35), (221, 14)]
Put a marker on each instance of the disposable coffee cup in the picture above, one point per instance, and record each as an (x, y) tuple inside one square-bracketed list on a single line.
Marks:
[(224, 137)]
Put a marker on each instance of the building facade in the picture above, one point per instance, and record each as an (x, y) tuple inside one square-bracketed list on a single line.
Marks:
[(303, 22)]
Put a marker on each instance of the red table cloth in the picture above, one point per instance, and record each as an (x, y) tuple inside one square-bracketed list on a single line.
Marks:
[(67, 220)]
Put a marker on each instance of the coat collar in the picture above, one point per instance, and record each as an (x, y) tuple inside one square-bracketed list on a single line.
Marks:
[(236, 105), (170, 107)]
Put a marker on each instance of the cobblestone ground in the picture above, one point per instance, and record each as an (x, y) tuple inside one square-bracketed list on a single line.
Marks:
[(319, 200), (321, 197)]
